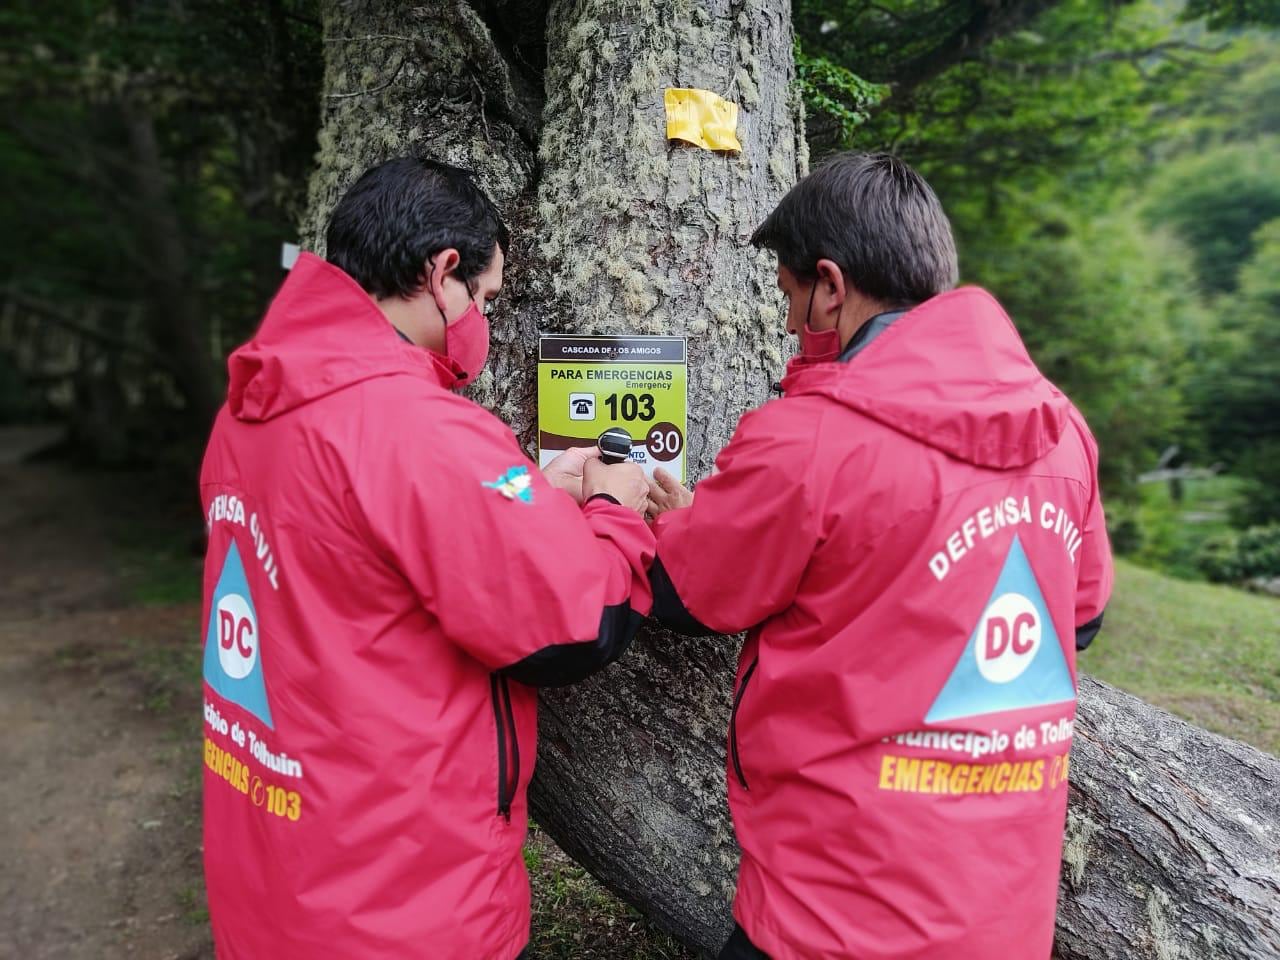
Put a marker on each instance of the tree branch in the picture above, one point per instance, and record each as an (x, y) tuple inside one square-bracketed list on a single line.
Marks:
[(59, 318), (372, 90)]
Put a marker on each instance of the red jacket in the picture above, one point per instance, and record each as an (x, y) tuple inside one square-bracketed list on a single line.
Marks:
[(383, 560), (912, 538)]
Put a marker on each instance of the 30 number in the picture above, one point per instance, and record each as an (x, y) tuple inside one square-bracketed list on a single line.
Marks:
[(665, 441), (630, 406)]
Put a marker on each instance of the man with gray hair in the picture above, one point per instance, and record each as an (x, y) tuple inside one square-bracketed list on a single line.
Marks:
[(914, 540)]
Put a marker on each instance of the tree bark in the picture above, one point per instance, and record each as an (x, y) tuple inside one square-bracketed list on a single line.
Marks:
[(1173, 835), (1173, 838)]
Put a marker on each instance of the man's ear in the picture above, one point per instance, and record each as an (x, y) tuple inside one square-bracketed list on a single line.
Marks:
[(831, 279), (438, 267)]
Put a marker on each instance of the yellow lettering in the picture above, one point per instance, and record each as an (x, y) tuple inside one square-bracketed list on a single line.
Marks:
[(1002, 778), (1060, 771), (988, 779), (1022, 778), (926, 775), (941, 774), (907, 774), (976, 777), (886, 771)]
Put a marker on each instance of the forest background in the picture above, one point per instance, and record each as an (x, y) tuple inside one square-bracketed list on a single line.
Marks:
[(1110, 170)]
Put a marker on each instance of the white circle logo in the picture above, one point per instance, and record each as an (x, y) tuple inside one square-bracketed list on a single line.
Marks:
[(237, 636), (1008, 638)]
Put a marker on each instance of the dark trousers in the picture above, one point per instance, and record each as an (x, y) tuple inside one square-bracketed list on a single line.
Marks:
[(740, 948)]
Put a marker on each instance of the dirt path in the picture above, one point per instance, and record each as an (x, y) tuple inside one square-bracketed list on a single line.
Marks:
[(99, 798)]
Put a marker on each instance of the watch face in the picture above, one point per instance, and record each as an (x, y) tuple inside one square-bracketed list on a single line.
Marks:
[(615, 444)]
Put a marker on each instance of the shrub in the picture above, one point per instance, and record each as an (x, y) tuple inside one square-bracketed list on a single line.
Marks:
[(1238, 557)]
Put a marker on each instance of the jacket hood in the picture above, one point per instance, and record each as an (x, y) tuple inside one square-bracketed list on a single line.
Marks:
[(954, 374), (322, 333)]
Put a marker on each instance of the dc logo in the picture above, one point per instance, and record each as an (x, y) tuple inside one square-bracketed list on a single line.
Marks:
[(1014, 657), (237, 636), (1008, 638)]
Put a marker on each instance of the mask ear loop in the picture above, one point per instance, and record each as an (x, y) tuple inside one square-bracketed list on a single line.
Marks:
[(439, 309), (471, 295), (809, 310)]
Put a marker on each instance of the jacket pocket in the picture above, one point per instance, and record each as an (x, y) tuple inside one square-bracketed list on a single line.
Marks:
[(733, 724), (508, 744)]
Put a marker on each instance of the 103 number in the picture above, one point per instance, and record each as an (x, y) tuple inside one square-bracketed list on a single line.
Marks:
[(630, 407)]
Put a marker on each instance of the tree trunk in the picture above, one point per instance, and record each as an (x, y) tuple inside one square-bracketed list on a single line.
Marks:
[(176, 314), (1173, 831), (1173, 838)]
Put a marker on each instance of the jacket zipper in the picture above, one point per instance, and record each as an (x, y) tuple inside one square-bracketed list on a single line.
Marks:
[(733, 724), (504, 719), (515, 747)]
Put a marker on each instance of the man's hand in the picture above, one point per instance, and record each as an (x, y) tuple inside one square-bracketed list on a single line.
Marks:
[(666, 493), (625, 482), (565, 471)]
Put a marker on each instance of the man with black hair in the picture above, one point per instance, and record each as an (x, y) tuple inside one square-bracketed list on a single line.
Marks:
[(388, 578), (913, 537)]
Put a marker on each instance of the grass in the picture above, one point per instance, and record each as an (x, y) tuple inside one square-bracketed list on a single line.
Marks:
[(1173, 531), (170, 673), (160, 576), (1208, 653), (192, 901), (158, 548), (574, 918)]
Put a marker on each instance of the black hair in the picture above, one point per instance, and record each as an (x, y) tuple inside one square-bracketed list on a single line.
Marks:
[(875, 217), (403, 212)]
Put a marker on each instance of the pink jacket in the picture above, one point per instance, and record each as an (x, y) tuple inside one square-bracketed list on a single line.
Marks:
[(384, 563), (912, 539)]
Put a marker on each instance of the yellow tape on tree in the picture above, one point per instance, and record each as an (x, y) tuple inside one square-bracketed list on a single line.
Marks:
[(702, 118)]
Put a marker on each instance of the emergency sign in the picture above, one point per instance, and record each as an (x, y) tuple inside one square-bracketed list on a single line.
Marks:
[(588, 384)]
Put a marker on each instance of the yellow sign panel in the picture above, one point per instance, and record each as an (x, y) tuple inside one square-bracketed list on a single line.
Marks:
[(702, 118), (588, 384)]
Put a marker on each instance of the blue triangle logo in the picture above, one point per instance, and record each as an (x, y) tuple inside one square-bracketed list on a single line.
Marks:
[(1014, 658), (232, 644)]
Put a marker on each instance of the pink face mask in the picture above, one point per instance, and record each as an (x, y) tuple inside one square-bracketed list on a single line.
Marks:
[(819, 346), (816, 346), (466, 342)]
